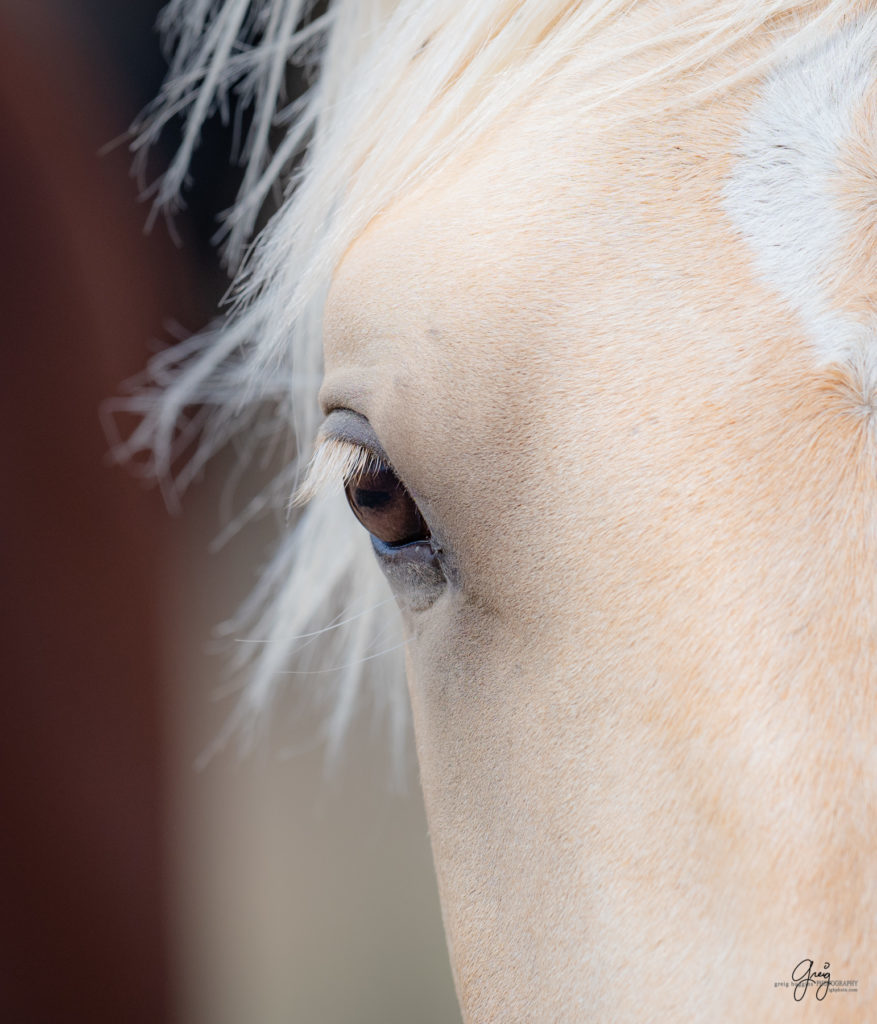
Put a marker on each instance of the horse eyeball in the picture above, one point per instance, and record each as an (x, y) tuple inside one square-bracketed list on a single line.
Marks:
[(383, 506)]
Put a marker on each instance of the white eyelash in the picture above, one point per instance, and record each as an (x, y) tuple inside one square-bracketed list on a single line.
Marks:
[(335, 462)]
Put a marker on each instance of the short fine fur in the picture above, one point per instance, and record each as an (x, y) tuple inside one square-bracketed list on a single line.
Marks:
[(256, 374), (599, 280)]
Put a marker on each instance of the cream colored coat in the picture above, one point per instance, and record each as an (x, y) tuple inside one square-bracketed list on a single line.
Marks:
[(645, 712), (623, 356)]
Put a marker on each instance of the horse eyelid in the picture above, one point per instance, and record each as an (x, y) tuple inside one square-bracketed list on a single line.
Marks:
[(336, 461), (347, 446)]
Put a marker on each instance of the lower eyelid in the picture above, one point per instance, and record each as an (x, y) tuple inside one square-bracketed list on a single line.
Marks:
[(420, 551), (413, 571)]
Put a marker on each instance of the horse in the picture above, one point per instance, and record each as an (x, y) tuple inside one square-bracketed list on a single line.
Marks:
[(566, 315)]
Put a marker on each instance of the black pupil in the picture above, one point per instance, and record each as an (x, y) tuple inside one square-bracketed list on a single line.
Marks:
[(385, 508)]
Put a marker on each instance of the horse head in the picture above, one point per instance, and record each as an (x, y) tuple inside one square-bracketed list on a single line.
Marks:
[(594, 285)]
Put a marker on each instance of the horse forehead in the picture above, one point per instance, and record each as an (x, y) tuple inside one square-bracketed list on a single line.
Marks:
[(501, 210), (802, 194), (535, 218), (769, 191)]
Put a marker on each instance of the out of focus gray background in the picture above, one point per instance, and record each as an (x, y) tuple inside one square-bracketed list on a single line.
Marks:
[(134, 887)]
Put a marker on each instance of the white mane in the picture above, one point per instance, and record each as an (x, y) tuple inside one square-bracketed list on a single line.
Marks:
[(399, 88)]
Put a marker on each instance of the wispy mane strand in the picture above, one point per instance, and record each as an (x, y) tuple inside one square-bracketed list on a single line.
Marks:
[(398, 89)]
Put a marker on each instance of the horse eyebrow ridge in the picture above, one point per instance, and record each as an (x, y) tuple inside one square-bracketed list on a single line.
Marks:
[(336, 461)]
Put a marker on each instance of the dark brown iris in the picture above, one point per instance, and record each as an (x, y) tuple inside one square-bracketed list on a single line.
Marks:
[(385, 508)]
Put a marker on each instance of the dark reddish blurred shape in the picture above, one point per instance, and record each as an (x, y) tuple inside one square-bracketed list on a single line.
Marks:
[(83, 934)]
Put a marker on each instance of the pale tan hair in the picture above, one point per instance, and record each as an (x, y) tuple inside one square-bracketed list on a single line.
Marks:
[(399, 90)]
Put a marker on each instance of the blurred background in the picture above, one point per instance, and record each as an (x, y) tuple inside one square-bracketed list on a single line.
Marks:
[(134, 887)]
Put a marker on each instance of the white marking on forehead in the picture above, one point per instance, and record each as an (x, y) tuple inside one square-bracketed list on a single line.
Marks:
[(782, 193)]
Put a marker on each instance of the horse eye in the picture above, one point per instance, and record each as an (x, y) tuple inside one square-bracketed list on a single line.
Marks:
[(383, 506)]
